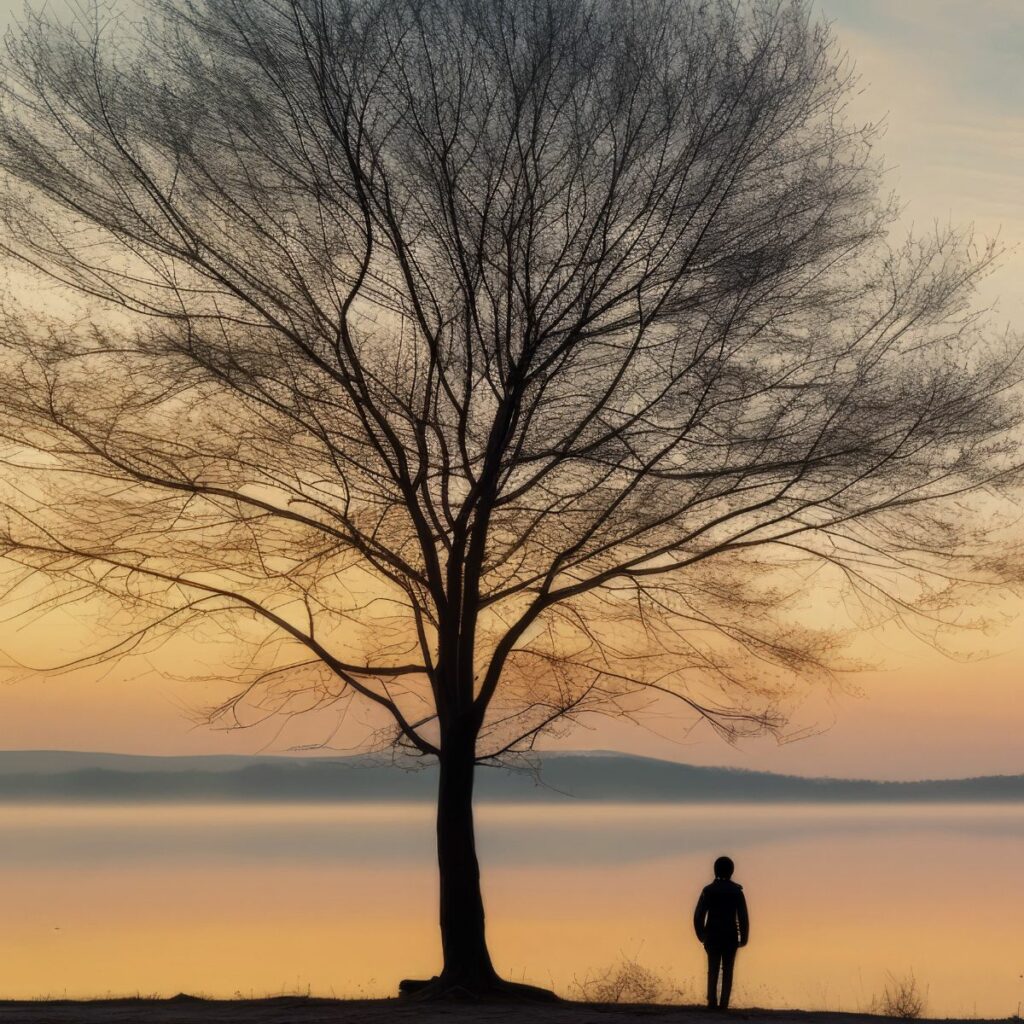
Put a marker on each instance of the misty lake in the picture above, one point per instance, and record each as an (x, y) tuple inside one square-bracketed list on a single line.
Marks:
[(340, 899)]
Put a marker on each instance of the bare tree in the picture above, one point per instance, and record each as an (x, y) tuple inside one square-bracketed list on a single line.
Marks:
[(493, 362)]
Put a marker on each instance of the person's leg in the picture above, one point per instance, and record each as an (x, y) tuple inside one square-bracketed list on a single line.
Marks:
[(714, 962), (728, 960)]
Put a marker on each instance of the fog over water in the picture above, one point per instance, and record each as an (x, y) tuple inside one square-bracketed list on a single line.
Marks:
[(341, 899)]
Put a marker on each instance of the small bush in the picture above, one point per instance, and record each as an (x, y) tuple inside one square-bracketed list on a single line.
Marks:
[(628, 982), (901, 998)]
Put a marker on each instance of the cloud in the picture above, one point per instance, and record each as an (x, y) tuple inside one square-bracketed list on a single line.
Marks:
[(946, 78)]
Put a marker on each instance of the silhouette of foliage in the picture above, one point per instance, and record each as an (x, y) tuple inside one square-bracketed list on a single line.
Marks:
[(629, 981), (901, 997)]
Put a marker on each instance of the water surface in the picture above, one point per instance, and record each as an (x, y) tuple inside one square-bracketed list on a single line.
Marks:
[(340, 899)]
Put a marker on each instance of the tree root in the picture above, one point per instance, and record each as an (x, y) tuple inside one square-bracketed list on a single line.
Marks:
[(473, 990)]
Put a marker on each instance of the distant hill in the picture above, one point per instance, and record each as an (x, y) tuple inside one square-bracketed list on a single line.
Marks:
[(50, 776)]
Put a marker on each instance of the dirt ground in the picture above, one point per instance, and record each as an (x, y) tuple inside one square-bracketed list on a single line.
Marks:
[(291, 1010)]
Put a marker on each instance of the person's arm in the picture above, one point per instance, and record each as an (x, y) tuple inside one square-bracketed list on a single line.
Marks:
[(699, 917), (744, 919)]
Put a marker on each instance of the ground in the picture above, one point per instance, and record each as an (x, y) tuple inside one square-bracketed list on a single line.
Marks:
[(291, 1010)]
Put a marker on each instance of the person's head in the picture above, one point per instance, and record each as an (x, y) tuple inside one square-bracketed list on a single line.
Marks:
[(724, 867)]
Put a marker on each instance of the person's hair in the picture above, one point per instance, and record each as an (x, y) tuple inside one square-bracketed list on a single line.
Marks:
[(724, 867)]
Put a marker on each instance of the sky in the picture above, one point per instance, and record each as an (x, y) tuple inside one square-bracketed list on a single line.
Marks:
[(944, 75)]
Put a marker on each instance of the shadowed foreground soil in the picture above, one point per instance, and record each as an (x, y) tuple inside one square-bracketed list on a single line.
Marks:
[(293, 1010)]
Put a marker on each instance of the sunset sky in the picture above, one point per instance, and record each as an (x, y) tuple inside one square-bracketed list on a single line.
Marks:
[(945, 77)]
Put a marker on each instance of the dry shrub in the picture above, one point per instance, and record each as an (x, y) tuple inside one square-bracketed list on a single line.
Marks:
[(901, 997), (628, 982)]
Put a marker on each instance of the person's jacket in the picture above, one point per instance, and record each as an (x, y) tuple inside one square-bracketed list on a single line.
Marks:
[(721, 915)]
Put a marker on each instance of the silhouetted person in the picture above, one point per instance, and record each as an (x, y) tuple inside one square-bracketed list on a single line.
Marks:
[(722, 924)]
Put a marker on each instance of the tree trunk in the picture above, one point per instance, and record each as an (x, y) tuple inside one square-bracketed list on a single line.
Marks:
[(467, 963), (467, 972)]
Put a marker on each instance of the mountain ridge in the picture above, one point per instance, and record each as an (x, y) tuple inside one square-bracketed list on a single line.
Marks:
[(584, 776)]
